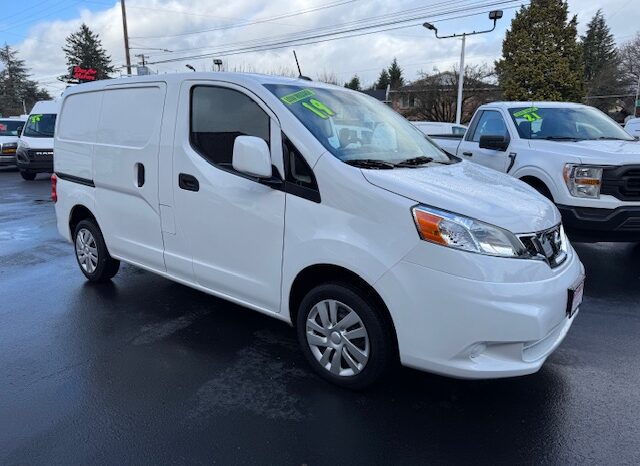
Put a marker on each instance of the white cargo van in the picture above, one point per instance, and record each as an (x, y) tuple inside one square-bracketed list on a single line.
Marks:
[(375, 249), (35, 148)]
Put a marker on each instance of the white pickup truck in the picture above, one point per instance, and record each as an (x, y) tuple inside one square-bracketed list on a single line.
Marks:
[(571, 153)]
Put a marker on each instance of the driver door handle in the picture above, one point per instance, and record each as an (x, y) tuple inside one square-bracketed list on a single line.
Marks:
[(468, 154), (188, 182)]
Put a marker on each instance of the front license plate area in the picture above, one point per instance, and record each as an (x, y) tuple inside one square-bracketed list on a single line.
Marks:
[(576, 294)]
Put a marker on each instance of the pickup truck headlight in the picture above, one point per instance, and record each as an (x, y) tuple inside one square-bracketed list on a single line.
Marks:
[(460, 232), (583, 180)]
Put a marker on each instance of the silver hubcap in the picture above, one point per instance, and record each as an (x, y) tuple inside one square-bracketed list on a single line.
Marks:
[(338, 338), (86, 250)]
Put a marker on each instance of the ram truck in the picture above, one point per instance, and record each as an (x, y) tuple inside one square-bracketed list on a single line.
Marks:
[(573, 154)]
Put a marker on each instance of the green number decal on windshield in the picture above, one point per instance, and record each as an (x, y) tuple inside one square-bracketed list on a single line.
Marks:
[(529, 114), (318, 108), (35, 118)]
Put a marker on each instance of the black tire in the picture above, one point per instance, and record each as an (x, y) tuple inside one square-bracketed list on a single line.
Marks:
[(27, 176), (381, 352), (105, 266)]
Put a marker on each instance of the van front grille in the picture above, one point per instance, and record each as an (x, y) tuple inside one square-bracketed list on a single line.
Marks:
[(546, 245)]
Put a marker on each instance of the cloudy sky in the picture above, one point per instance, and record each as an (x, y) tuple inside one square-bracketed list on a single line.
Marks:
[(192, 28)]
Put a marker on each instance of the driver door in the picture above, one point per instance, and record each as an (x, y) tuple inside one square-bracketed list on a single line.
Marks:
[(489, 123)]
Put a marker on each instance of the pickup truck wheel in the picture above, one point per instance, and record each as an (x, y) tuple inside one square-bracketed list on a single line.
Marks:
[(28, 176), (343, 336), (91, 253)]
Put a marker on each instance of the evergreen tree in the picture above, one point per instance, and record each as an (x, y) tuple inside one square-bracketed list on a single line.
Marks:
[(601, 63), (354, 83), (395, 75), (84, 48), (541, 56), (383, 80), (17, 91)]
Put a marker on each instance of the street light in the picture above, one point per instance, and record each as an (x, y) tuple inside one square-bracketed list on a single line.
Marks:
[(494, 15), (217, 62), (190, 67)]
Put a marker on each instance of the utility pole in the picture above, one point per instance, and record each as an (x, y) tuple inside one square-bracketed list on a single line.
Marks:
[(126, 36), (494, 15)]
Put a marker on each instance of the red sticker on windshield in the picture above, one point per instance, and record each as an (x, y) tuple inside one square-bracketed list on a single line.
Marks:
[(3, 127)]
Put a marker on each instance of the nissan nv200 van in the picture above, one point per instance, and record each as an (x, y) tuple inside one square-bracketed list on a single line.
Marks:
[(35, 148), (377, 247)]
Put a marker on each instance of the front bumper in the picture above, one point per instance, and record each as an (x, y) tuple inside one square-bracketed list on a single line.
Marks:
[(7, 160), (475, 329), (34, 164), (592, 224)]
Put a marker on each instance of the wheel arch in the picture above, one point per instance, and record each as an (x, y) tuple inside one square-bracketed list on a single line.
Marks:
[(78, 213), (317, 274), (539, 185)]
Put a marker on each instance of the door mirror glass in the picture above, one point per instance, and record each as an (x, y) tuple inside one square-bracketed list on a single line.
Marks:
[(251, 156), (494, 142)]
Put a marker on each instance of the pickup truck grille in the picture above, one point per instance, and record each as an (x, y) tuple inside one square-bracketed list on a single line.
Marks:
[(622, 182), (546, 245)]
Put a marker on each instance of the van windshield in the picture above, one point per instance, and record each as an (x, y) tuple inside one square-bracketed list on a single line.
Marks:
[(566, 123), (358, 129), (10, 127), (40, 125)]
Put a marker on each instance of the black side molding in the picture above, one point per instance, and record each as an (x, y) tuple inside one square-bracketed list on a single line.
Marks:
[(75, 179)]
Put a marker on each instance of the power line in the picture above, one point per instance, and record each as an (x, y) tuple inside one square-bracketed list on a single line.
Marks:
[(330, 35), (250, 23)]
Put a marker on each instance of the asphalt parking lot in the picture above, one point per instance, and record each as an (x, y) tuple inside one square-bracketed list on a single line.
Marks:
[(143, 370)]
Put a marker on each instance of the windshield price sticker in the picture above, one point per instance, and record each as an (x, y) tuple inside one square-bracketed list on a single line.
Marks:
[(529, 114), (290, 99), (314, 105), (35, 118)]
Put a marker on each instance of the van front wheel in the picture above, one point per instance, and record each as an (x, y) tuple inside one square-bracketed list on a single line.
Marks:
[(343, 336), (91, 253), (28, 176)]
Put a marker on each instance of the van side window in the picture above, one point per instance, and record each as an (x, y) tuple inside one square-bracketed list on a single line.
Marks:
[(299, 176), (218, 116)]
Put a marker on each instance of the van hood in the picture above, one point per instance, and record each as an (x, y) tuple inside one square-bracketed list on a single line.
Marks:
[(595, 152), (472, 190)]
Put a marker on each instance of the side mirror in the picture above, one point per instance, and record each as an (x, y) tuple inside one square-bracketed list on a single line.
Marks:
[(251, 156), (19, 130), (494, 142)]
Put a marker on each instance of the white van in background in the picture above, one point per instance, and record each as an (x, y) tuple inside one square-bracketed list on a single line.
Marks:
[(236, 185), (10, 129), (434, 128), (633, 127), (35, 148)]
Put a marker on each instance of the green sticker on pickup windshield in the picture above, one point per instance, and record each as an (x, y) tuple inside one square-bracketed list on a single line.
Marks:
[(290, 99), (529, 114), (35, 118)]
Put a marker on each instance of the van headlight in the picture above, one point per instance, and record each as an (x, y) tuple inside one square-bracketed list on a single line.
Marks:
[(583, 180), (460, 232)]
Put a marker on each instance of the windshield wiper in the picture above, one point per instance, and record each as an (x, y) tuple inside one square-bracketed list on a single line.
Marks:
[(415, 161), (370, 163), (609, 138), (562, 138)]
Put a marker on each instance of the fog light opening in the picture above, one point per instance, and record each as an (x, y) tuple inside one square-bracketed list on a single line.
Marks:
[(477, 350)]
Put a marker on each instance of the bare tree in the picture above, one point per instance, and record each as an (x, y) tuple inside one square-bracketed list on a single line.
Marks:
[(629, 54), (328, 77), (434, 95), (278, 71)]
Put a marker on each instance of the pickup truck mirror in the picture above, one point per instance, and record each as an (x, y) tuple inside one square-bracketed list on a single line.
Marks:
[(251, 156), (494, 142)]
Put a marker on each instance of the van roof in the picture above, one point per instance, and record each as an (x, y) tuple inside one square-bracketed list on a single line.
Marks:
[(46, 106), (236, 78)]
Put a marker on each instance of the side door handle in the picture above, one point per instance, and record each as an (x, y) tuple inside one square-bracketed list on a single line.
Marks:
[(188, 182), (140, 175), (468, 154)]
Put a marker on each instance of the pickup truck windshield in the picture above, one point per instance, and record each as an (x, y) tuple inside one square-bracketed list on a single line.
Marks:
[(358, 129), (40, 125), (566, 123), (10, 127)]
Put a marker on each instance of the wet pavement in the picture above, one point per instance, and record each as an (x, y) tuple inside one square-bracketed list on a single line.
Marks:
[(146, 371)]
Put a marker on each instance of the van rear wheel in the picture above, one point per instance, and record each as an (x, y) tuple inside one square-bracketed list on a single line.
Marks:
[(343, 335), (91, 253)]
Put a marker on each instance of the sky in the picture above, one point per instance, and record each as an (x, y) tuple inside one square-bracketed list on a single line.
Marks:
[(37, 29)]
